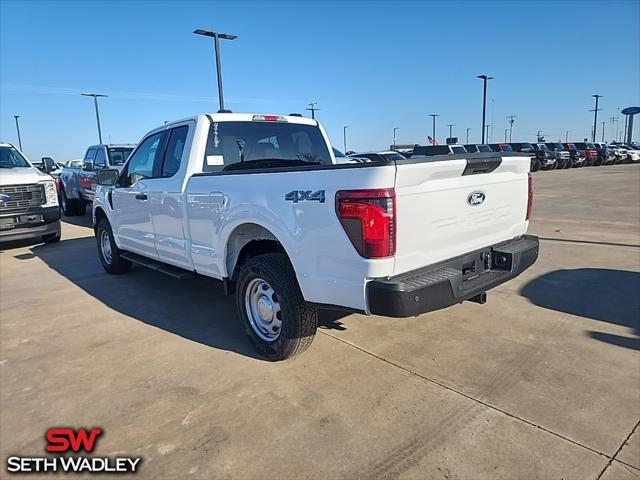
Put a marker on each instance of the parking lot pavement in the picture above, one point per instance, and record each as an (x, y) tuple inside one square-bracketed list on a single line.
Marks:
[(541, 382)]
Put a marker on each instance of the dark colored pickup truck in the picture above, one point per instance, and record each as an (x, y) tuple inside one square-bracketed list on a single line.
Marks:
[(78, 184)]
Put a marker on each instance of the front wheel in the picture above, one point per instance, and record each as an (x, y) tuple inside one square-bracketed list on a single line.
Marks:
[(274, 314), (535, 165), (108, 251), (68, 204)]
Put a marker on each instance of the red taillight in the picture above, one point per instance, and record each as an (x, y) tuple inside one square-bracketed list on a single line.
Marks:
[(369, 220), (530, 199)]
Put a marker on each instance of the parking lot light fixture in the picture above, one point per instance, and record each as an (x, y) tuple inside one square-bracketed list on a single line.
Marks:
[(95, 103), (216, 45), (433, 133), (18, 129), (344, 137), (485, 79)]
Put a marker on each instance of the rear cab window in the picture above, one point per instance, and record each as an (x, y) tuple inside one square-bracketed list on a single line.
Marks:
[(118, 155), (239, 145)]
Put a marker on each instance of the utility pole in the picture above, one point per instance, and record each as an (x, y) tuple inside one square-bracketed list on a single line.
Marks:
[(395, 129), (95, 102), (18, 129), (603, 123), (484, 79), (434, 115), (506, 130), (487, 134), (344, 137), (566, 136), (539, 135), (511, 119), (312, 108), (216, 45), (451, 125), (595, 116), (468, 135)]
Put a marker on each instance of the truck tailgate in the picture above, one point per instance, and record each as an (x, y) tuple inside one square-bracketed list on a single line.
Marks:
[(454, 204)]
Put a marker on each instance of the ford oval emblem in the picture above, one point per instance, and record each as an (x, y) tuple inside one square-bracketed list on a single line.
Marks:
[(4, 197), (475, 198)]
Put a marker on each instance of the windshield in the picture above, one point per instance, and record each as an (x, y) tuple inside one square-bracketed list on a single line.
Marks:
[(118, 155), (542, 146), (264, 144), (506, 148), (10, 158), (484, 148), (459, 150), (556, 146)]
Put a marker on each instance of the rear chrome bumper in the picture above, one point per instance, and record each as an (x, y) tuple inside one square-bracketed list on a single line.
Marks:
[(453, 281)]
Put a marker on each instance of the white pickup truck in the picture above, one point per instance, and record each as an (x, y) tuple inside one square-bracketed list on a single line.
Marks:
[(259, 202)]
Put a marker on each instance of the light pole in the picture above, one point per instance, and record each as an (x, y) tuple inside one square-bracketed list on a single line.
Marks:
[(344, 137), (603, 130), (395, 129), (487, 133), (434, 115), (18, 129), (511, 118), (468, 135), (216, 45), (312, 108), (95, 102), (506, 130), (595, 117), (566, 136), (484, 78), (539, 135), (451, 125)]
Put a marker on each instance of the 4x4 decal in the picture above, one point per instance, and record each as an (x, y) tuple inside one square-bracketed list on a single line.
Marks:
[(301, 195)]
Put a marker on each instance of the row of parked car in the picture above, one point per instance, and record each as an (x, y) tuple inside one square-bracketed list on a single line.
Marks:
[(545, 156)]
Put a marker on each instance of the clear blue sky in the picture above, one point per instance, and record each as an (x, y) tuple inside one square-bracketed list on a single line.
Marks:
[(370, 65)]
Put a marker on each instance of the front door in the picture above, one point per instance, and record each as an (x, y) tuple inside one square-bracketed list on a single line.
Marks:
[(132, 224)]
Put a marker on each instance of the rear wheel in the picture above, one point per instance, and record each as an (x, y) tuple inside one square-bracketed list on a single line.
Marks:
[(274, 314), (108, 251), (81, 207), (535, 165), (68, 204), (569, 164)]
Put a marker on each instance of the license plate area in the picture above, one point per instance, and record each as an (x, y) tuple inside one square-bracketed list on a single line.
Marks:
[(9, 223)]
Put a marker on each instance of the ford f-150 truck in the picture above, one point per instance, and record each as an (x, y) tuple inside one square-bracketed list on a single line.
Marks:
[(78, 184), (28, 199), (259, 202)]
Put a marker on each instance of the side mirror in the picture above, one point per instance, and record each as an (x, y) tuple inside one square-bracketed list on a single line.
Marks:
[(87, 166), (48, 164), (107, 177)]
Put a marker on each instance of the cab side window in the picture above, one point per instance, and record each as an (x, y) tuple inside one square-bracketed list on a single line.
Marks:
[(101, 158), (174, 151), (140, 164)]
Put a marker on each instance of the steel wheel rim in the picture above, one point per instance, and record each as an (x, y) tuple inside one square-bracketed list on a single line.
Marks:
[(105, 244), (263, 310)]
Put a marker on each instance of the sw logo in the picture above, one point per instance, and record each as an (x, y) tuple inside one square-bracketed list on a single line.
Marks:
[(65, 440), (302, 195)]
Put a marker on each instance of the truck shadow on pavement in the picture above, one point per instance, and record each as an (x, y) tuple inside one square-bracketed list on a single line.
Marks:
[(197, 310), (600, 294)]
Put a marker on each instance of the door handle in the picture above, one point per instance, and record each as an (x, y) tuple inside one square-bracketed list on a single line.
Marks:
[(141, 196)]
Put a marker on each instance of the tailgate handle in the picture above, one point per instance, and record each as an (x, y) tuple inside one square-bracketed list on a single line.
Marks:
[(481, 165)]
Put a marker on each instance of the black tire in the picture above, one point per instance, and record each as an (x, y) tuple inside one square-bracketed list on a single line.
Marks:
[(68, 205), (81, 207), (569, 164), (299, 321), (535, 165), (112, 262), (51, 238)]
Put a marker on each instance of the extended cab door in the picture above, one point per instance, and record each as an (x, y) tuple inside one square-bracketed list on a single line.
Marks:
[(132, 220)]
